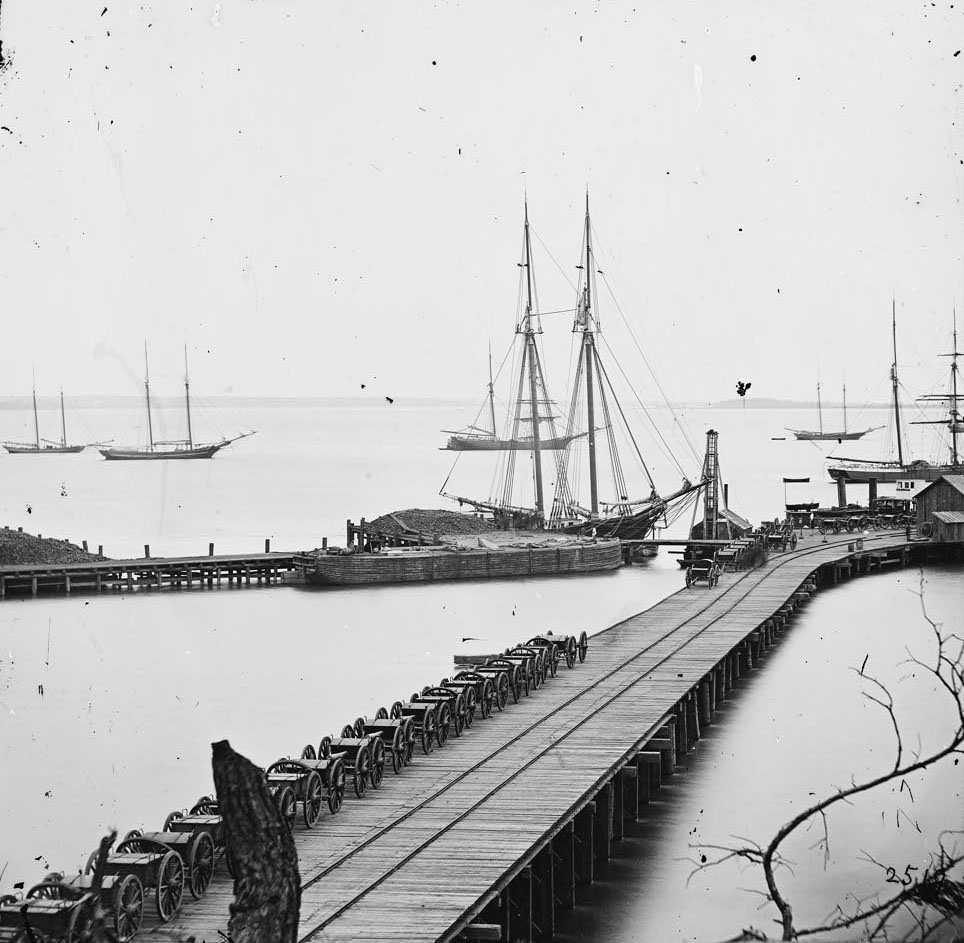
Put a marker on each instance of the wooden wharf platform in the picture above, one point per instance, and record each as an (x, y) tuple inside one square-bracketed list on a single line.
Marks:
[(488, 838), (146, 573)]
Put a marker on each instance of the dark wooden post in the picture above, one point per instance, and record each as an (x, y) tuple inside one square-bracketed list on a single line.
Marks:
[(267, 545), (100, 550), (583, 845), (519, 911), (682, 734), (629, 775), (564, 867), (692, 719), (211, 549), (619, 803), (266, 881), (649, 766), (705, 697), (603, 823), (147, 550), (543, 895), (84, 545)]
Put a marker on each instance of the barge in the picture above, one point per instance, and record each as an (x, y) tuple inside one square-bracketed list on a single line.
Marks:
[(487, 560)]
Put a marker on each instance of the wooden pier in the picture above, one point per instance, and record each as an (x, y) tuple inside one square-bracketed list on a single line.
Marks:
[(489, 838), (146, 573)]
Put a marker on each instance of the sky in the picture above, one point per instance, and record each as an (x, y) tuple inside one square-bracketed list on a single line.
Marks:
[(316, 195)]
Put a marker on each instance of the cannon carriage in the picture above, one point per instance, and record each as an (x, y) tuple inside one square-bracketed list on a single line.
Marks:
[(354, 748), (781, 538), (515, 678), (332, 770)]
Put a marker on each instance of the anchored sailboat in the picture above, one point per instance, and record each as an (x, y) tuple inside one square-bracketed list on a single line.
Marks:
[(821, 436), (172, 449), (860, 470), (44, 446), (622, 516)]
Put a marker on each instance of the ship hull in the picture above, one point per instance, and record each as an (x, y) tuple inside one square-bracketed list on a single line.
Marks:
[(44, 450), (892, 473), (419, 566), (140, 455), (805, 436), (466, 444)]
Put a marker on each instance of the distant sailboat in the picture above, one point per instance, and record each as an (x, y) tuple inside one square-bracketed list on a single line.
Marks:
[(821, 436), (44, 446), (476, 439), (174, 449)]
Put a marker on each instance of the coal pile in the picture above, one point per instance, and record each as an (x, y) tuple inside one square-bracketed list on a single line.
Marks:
[(17, 547), (420, 521)]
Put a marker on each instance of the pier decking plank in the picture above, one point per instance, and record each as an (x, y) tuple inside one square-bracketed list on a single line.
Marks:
[(421, 856)]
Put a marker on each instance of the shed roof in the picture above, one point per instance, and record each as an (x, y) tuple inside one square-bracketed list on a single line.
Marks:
[(955, 481), (950, 517)]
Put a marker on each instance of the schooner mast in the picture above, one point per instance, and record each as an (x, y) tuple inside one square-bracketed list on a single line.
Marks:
[(953, 421), (531, 354)]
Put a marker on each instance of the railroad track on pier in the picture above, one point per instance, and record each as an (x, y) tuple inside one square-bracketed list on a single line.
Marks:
[(735, 593)]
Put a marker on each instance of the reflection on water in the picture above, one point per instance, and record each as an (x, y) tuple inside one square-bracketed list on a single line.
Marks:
[(791, 733)]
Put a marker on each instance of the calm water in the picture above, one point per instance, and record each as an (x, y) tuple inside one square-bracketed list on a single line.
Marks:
[(109, 704)]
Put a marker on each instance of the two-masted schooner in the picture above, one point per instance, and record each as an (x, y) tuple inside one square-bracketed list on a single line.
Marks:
[(593, 415), (829, 435), (44, 446), (170, 449)]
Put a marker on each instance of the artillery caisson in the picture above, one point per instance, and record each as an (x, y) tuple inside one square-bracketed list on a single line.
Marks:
[(196, 849), (59, 909), (461, 715), (154, 864), (553, 650), (516, 672), (358, 754), (294, 782), (331, 769), (533, 655), (203, 817), (498, 690), (397, 735), (426, 716)]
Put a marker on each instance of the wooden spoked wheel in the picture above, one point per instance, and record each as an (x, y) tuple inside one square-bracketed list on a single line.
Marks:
[(378, 763), (324, 748), (381, 714), (363, 768), (409, 727), (200, 864), (128, 906), (308, 753), (92, 861), (571, 644), (133, 833), (348, 731), (205, 806), (471, 703), (428, 732), (80, 928), (285, 798), (583, 646), (398, 750), (443, 725), (170, 886), (336, 785), (396, 710), (501, 689), (359, 727), (311, 804), (171, 818)]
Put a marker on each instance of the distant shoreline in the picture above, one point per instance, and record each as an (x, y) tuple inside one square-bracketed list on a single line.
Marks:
[(91, 401)]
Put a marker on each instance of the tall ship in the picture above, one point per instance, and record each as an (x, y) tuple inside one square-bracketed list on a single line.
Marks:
[(594, 415), (829, 435), (44, 446), (905, 468), (173, 448)]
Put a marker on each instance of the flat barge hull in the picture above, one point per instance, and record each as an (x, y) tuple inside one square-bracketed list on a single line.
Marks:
[(365, 569)]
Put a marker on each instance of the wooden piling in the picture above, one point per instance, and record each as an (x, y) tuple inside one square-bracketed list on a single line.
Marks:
[(519, 910), (564, 867), (603, 823), (584, 833), (543, 895)]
